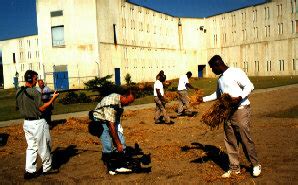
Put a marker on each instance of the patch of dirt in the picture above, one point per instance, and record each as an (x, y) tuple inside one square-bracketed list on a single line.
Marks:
[(185, 152)]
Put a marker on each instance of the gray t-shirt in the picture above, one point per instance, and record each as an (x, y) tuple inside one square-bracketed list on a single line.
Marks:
[(29, 104)]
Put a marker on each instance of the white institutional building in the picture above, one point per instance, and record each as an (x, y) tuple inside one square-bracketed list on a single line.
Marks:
[(81, 39)]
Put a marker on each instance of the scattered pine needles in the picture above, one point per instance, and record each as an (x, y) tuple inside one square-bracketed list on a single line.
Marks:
[(219, 112)]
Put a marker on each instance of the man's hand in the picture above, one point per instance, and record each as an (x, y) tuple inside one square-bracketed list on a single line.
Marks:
[(236, 100), (119, 148), (55, 95)]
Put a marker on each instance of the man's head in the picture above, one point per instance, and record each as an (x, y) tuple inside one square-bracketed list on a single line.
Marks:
[(188, 74), (217, 65), (127, 98), (31, 77), (40, 83)]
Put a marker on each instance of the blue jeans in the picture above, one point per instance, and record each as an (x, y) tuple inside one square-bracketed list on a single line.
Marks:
[(107, 141)]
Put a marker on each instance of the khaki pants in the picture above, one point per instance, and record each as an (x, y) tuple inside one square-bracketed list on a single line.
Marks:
[(183, 101), (236, 130), (160, 111)]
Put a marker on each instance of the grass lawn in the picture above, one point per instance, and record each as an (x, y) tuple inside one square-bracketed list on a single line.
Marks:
[(208, 85)]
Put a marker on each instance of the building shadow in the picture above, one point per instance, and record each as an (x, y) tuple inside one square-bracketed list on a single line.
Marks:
[(213, 153), (3, 139)]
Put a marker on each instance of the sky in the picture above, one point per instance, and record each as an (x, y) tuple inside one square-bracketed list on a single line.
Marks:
[(18, 17)]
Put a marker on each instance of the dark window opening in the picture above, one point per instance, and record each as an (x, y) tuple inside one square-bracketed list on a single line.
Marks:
[(115, 36), (57, 13), (14, 58)]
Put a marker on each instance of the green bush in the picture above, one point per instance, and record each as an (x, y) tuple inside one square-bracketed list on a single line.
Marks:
[(72, 97), (103, 86)]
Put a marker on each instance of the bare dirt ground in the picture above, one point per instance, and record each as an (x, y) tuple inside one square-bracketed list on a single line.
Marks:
[(185, 152)]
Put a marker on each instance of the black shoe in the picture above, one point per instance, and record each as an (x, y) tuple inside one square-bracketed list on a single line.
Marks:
[(28, 175), (51, 171)]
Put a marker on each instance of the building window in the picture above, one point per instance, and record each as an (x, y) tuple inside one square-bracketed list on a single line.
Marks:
[(28, 42), (293, 6), (255, 14), (257, 66), (57, 13), (115, 35), (245, 67), (293, 27), (296, 26), (267, 16), (279, 10), (269, 65), (58, 36), (30, 66), (280, 28), (29, 55), (281, 65), (294, 65), (14, 58)]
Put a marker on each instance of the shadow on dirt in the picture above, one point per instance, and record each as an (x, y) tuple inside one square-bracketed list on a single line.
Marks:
[(3, 139), (62, 155), (56, 122), (212, 154)]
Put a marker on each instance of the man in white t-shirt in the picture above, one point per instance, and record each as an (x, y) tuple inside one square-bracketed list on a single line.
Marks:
[(235, 82), (160, 102), (183, 86)]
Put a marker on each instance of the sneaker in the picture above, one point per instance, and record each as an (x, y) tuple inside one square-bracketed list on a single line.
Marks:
[(123, 170), (229, 173), (180, 114), (28, 175), (112, 172), (51, 171), (256, 170)]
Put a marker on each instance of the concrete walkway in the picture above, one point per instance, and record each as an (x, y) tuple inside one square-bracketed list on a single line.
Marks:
[(132, 107)]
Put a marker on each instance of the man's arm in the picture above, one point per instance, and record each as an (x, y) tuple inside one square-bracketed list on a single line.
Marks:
[(244, 82), (159, 95), (115, 137), (189, 86), (46, 105)]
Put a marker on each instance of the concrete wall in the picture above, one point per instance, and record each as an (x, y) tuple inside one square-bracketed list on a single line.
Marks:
[(19, 55), (252, 37), (80, 50)]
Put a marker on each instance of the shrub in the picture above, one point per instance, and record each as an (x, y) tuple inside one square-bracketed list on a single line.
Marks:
[(72, 97), (103, 86), (128, 79)]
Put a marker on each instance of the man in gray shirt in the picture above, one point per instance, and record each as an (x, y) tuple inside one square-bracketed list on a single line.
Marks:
[(37, 134)]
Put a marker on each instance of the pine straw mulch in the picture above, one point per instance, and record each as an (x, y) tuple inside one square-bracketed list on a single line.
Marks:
[(61, 134), (218, 112)]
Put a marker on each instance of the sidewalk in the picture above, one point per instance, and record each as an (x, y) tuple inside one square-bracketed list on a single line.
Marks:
[(132, 107)]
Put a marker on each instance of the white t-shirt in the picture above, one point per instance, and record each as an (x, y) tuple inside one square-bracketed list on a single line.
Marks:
[(158, 85), (234, 82), (183, 80)]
